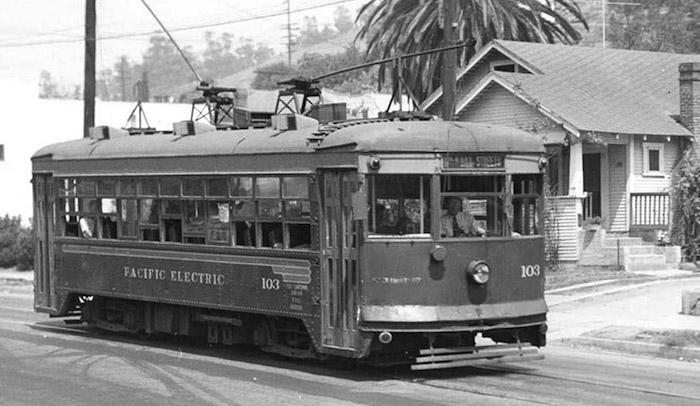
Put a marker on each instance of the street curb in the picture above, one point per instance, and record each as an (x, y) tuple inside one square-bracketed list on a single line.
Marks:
[(576, 298), (634, 347)]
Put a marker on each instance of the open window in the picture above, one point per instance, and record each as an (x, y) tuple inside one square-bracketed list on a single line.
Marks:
[(399, 205), (472, 206)]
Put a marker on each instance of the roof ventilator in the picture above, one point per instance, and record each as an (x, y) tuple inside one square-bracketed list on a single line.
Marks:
[(189, 127), (106, 133), (284, 122)]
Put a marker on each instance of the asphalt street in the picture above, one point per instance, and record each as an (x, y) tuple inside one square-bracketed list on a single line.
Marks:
[(47, 361)]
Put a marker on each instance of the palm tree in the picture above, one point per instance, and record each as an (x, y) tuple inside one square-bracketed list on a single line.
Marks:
[(395, 27)]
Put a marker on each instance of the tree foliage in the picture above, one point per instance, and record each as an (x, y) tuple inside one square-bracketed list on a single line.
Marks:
[(656, 25), (685, 195), (312, 65), (406, 26), (166, 71), (16, 244), (268, 76)]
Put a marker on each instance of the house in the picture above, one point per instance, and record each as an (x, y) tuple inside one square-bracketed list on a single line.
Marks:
[(615, 123)]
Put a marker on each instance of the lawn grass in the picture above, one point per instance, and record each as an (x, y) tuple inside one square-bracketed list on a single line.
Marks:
[(564, 278)]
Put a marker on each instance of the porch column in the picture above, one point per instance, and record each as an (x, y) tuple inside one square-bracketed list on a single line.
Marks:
[(576, 169)]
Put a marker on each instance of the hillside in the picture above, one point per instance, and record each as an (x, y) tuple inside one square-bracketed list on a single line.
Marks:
[(244, 78)]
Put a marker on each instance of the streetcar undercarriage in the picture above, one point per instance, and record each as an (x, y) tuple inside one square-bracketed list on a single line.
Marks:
[(289, 337)]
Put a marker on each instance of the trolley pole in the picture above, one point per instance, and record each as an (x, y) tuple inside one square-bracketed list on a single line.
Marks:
[(449, 60), (89, 78)]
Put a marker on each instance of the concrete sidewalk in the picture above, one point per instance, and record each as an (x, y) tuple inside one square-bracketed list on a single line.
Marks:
[(14, 275), (624, 318)]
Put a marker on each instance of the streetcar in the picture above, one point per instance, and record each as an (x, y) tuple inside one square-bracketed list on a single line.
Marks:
[(383, 241)]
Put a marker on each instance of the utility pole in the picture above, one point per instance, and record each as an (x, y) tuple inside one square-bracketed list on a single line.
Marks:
[(603, 11), (122, 77), (89, 78), (449, 60), (289, 32)]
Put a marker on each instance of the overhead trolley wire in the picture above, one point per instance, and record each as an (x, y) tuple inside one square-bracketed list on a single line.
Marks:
[(185, 28)]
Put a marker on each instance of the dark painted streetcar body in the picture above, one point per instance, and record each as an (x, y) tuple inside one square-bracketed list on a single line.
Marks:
[(305, 243)]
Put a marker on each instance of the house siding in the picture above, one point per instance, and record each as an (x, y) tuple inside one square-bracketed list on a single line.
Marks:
[(654, 184), (617, 195), (563, 224), (496, 105), (467, 82)]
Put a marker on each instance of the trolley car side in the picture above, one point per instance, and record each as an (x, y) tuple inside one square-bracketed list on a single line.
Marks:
[(301, 243)]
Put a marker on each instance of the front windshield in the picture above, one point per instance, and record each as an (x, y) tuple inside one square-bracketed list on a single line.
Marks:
[(472, 206), (399, 205)]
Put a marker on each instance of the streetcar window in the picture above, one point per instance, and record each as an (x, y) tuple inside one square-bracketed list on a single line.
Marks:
[(149, 219), (192, 187), (67, 187), (108, 219), (172, 207), (107, 187), (148, 212), (217, 187), (127, 187), (86, 187), (399, 204), (241, 186), (295, 187), (170, 187), (89, 209), (472, 206), (217, 222), (270, 208), (173, 230), (193, 227), (243, 208), (267, 187), (299, 236), (67, 209), (243, 215), (297, 208), (245, 233), (526, 194), (148, 187), (272, 235), (129, 217), (249, 211)]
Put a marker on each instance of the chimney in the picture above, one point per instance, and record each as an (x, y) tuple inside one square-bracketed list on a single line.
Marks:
[(690, 98)]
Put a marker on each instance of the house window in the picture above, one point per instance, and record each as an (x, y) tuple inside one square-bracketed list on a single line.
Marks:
[(653, 158), (507, 66)]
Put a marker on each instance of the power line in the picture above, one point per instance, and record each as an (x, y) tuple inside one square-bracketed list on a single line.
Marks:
[(185, 28)]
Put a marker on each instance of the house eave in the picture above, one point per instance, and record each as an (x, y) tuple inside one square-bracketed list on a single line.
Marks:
[(494, 78), (473, 62)]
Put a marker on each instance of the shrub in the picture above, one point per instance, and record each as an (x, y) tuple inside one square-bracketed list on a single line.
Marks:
[(16, 244), (685, 196)]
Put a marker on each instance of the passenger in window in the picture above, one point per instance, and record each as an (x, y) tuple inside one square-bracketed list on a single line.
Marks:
[(384, 219), (457, 222), (88, 225)]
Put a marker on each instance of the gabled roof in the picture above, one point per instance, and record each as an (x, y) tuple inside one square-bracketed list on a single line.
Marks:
[(593, 89)]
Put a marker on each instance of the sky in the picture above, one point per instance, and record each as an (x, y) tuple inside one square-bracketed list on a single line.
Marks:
[(48, 34)]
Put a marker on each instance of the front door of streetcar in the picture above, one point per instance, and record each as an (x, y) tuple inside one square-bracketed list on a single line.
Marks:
[(340, 234), (43, 240)]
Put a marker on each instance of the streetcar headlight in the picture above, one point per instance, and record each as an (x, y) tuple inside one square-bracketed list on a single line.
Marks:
[(479, 271)]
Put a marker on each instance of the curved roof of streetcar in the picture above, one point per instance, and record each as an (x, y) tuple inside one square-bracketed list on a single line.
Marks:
[(392, 136)]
